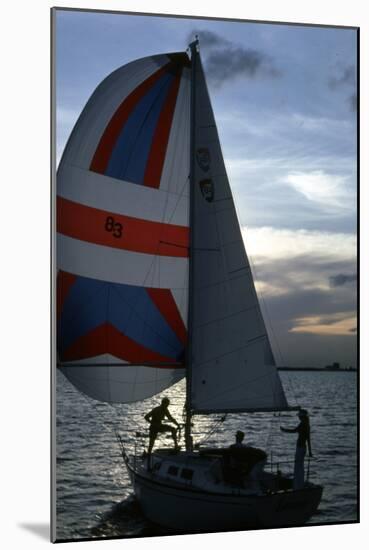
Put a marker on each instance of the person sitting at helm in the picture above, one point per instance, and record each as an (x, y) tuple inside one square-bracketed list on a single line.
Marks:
[(156, 417), (240, 436)]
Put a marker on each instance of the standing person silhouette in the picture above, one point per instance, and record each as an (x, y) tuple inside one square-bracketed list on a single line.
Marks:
[(156, 417), (303, 440)]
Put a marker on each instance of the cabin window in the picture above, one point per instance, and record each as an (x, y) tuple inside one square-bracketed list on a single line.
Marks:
[(187, 474), (173, 470)]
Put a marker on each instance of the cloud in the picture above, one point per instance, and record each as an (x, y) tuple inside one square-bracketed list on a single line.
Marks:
[(208, 38), (66, 117), (330, 190), (271, 244), (319, 325), (347, 77), (225, 61), (305, 315), (65, 120), (286, 158), (230, 63), (352, 99), (341, 279)]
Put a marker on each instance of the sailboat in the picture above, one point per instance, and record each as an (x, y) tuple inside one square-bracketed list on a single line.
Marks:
[(154, 285)]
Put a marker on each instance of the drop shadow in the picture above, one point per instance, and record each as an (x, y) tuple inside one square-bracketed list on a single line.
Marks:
[(42, 530)]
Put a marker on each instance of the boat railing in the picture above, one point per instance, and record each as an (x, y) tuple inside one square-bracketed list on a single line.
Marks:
[(275, 466)]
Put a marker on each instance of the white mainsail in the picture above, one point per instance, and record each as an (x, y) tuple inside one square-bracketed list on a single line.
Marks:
[(231, 365)]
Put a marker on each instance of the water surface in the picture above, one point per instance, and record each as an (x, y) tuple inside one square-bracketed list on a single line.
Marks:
[(94, 496)]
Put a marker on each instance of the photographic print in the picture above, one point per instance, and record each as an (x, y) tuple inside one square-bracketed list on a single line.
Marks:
[(205, 251)]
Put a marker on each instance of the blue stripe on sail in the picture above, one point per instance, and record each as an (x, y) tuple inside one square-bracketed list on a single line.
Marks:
[(91, 303), (131, 151), (83, 310)]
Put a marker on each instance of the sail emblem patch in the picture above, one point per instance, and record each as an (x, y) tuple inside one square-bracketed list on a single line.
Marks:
[(207, 189), (203, 158)]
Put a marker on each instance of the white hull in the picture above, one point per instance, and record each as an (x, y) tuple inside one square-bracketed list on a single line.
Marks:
[(192, 510)]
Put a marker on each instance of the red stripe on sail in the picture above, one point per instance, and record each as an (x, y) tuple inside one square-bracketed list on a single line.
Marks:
[(107, 339), (159, 144), (63, 284), (107, 141), (117, 231), (164, 301)]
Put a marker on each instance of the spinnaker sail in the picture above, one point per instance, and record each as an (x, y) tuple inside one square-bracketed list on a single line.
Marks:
[(122, 233)]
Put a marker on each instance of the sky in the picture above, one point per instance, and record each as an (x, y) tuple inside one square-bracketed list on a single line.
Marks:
[(284, 98)]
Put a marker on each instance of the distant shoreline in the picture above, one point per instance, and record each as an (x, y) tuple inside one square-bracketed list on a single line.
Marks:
[(317, 369)]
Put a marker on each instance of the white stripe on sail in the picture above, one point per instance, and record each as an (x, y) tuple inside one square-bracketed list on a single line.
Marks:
[(175, 175), (103, 359), (124, 384), (102, 105), (180, 296), (120, 197), (119, 266)]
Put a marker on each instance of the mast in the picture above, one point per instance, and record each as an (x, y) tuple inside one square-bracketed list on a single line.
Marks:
[(188, 436)]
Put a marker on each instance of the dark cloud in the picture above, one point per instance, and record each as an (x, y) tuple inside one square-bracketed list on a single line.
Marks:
[(300, 280), (208, 39), (344, 80), (346, 77), (302, 303), (341, 279), (291, 274), (353, 102), (225, 61), (230, 63)]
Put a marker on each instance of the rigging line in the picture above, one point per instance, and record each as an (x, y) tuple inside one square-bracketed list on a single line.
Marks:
[(217, 283), (224, 354), (217, 423), (229, 316), (113, 406), (107, 337), (197, 248), (92, 404)]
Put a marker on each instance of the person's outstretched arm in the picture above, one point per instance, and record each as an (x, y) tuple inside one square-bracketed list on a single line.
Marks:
[(148, 416), (290, 430)]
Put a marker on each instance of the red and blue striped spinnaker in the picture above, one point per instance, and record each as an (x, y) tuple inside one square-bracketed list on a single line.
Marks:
[(122, 233)]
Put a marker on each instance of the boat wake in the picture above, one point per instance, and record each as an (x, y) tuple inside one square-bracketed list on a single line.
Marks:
[(125, 519)]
